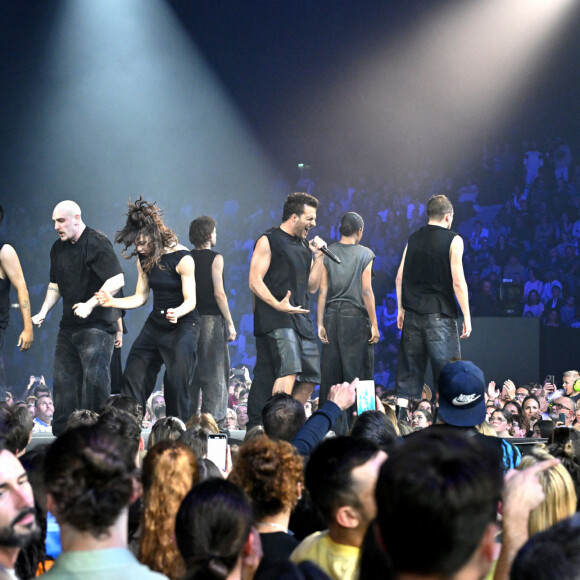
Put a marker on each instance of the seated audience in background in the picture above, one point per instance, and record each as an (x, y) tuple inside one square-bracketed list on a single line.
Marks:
[(502, 423), (559, 491), (421, 419), (520, 426), (230, 421), (44, 410), (90, 481), (270, 472), (214, 532), (543, 429), (170, 428), (169, 472), (242, 416), (340, 478)]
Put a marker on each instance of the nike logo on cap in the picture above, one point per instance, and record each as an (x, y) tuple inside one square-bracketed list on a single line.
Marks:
[(465, 399)]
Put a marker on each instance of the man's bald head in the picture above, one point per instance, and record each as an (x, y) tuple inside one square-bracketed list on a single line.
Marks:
[(67, 220)]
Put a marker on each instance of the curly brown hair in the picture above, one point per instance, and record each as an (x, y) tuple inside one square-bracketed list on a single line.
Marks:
[(269, 472), (144, 219), (169, 472)]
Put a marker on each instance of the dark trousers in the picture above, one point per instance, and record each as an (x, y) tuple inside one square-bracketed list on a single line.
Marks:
[(425, 337), (262, 382), (348, 353), (212, 373), (175, 347), (82, 376)]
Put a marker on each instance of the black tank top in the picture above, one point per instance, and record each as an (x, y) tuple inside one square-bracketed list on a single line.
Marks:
[(166, 285), (4, 298), (206, 302), (289, 270), (427, 280)]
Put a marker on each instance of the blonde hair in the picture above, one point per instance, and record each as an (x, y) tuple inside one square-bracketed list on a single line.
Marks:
[(560, 500), (486, 429)]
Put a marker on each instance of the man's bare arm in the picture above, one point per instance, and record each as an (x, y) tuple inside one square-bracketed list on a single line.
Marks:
[(112, 285), (107, 300), (11, 265), (369, 300), (322, 293), (217, 274), (52, 297), (399, 287), (459, 283)]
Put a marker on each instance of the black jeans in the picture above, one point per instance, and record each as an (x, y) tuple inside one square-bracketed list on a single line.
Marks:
[(175, 346), (212, 373), (348, 353), (426, 337), (82, 375)]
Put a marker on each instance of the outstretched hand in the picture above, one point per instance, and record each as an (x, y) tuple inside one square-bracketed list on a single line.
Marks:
[(285, 306)]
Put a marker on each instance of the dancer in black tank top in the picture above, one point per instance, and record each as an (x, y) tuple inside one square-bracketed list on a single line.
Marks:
[(169, 335), (429, 279)]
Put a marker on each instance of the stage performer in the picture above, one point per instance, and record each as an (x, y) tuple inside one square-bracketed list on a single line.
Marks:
[(217, 328), (11, 274), (169, 335), (347, 320), (284, 269), (82, 261), (428, 280)]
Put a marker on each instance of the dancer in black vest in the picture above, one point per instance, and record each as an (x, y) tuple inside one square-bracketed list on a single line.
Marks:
[(169, 335), (284, 269), (212, 373), (429, 278)]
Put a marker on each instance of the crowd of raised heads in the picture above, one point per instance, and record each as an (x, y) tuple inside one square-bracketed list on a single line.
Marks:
[(292, 500)]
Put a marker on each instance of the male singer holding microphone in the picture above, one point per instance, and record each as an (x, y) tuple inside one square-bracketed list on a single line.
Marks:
[(285, 268)]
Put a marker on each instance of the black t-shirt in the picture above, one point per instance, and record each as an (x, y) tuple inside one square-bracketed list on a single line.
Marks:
[(4, 298), (167, 288), (276, 546), (80, 269), (206, 302), (289, 270)]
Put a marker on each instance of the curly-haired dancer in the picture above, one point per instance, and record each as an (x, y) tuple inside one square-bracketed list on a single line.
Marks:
[(169, 335)]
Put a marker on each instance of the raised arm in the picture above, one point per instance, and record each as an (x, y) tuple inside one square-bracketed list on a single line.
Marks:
[(459, 283), (258, 269), (50, 300), (322, 293), (112, 285), (11, 265), (399, 287), (186, 269), (316, 268), (369, 300), (105, 298), (217, 276)]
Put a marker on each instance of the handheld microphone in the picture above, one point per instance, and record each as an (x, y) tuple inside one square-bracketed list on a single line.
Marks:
[(319, 244)]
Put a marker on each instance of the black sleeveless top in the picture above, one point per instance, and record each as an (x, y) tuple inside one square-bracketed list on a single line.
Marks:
[(4, 298), (206, 302), (167, 288), (427, 280), (289, 270)]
